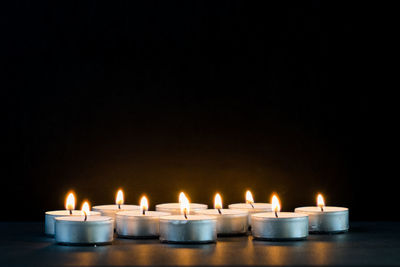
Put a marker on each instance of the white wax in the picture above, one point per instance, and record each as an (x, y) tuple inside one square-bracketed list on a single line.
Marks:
[(256, 208), (229, 221), (175, 208), (190, 217), (110, 210), (281, 215), (315, 209), (139, 214), (90, 218), (50, 215)]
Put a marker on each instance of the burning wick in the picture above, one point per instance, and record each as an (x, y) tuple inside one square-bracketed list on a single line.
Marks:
[(218, 203), (70, 212), (276, 207), (249, 198), (184, 203), (120, 198), (144, 205), (320, 202), (85, 210), (184, 214), (70, 203), (144, 212), (219, 211)]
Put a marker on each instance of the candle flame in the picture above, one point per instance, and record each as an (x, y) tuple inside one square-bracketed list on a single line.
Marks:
[(276, 206), (185, 206), (249, 197), (320, 201), (218, 201), (119, 199), (144, 204), (70, 202), (86, 208)]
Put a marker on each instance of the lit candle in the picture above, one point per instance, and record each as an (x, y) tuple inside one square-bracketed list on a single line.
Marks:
[(278, 225), (86, 229), (229, 221), (250, 206), (139, 223), (175, 208), (110, 210), (69, 211), (325, 219), (187, 228)]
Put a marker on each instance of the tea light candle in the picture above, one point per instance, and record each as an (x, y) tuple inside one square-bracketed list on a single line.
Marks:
[(188, 228), (175, 208), (111, 210), (139, 223), (229, 221), (250, 206), (278, 225), (69, 211), (84, 230), (325, 219)]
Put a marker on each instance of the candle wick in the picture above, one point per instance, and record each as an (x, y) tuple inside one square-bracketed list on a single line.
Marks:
[(251, 204), (70, 212), (219, 211), (322, 208), (144, 211), (85, 216), (276, 214), (119, 206)]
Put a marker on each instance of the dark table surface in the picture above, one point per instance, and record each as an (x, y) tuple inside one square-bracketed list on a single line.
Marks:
[(366, 244)]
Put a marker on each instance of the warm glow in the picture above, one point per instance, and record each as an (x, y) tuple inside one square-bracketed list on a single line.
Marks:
[(70, 202), (320, 201), (185, 206), (218, 201), (86, 208), (144, 204), (249, 197), (276, 207), (119, 200)]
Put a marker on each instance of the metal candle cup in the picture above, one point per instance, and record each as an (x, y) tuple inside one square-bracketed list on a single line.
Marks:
[(135, 224), (252, 208), (288, 226), (331, 220), (175, 208), (194, 229), (51, 215), (74, 230), (229, 221)]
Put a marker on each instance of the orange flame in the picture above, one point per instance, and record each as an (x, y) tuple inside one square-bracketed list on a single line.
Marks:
[(276, 206), (184, 203), (320, 201), (249, 197), (119, 199), (144, 204), (70, 202), (86, 208), (218, 201)]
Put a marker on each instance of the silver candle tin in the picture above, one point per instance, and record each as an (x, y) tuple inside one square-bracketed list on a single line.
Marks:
[(288, 226), (133, 224), (229, 221), (252, 208), (332, 220), (175, 208), (73, 230), (195, 229), (50, 215), (111, 210)]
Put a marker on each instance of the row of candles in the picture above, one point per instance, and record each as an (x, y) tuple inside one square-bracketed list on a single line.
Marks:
[(186, 222)]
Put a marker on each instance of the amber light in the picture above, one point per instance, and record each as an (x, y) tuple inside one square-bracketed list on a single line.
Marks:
[(86, 209), (218, 202), (249, 198), (276, 206), (320, 202), (144, 205), (70, 202), (119, 199), (184, 203)]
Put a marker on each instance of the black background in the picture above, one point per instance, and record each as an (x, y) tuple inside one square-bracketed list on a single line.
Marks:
[(158, 97)]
